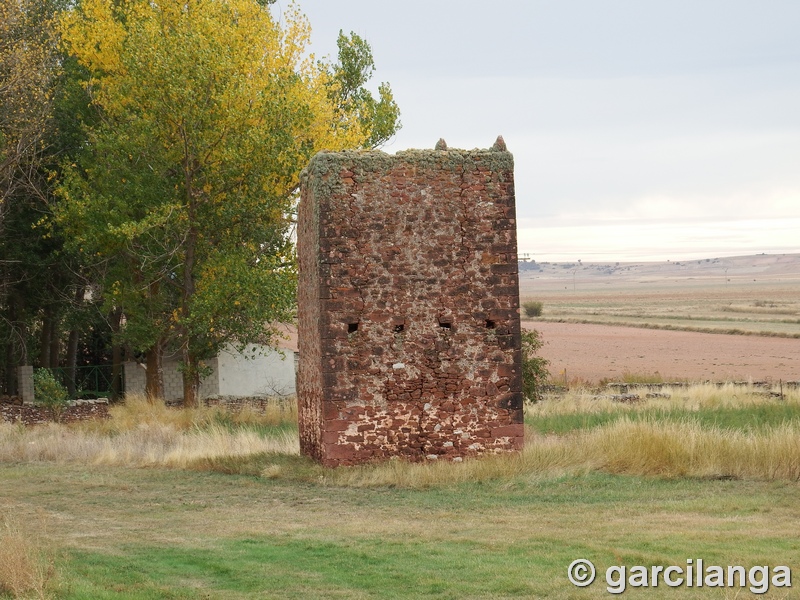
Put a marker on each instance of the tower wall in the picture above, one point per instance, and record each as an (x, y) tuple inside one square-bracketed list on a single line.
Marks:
[(409, 330)]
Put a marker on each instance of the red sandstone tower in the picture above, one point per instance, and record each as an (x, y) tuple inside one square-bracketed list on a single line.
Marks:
[(409, 330)]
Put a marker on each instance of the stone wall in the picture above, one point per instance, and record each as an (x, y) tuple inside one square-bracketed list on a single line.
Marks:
[(409, 330)]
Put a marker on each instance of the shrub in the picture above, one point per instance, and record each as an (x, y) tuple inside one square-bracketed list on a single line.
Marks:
[(534, 368), (533, 308), (49, 393)]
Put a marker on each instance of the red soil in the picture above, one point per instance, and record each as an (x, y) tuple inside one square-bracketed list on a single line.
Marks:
[(594, 352)]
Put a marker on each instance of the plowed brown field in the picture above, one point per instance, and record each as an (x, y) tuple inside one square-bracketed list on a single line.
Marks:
[(595, 352)]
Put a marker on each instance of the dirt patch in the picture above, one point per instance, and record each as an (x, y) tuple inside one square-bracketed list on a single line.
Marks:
[(595, 352)]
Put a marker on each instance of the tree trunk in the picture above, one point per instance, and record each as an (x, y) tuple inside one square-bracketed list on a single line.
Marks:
[(191, 379), (116, 373), (72, 344), (72, 360), (116, 356), (55, 343), (10, 386), (44, 342), (17, 353), (154, 380), (10, 356), (191, 374), (21, 355)]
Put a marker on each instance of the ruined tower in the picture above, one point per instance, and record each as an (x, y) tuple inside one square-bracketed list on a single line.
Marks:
[(409, 330)]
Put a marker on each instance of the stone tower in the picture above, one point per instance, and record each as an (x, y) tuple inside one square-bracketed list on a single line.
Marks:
[(409, 330)]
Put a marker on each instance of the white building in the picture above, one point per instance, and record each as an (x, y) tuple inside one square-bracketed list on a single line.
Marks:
[(258, 372)]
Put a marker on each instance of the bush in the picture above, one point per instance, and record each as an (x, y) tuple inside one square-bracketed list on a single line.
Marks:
[(534, 368), (49, 393), (532, 308)]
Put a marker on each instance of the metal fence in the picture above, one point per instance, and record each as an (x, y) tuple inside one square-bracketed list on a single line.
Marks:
[(93, 381)]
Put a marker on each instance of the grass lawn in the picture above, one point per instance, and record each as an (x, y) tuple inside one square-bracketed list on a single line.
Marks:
[(154, 533)]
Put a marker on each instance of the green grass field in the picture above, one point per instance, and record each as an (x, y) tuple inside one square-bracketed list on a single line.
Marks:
[(708, 476), (152, 533)]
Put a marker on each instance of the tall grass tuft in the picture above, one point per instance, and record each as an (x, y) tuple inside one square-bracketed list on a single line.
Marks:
[(689, 450), (626, 447), (138, 410), (148, 445), (628, 377), (25, 569), (144, 434)]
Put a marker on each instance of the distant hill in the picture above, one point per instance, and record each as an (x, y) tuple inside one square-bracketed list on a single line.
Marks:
[(761, 266)]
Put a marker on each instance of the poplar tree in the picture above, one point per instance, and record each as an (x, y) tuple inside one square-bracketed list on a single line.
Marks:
[(184, 195)]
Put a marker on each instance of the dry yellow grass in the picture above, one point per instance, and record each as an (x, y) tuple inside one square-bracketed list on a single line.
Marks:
[(148, 445), (137, 410), (25, 570), (626, 447), (146, 434), (689, 450), (645, 447)]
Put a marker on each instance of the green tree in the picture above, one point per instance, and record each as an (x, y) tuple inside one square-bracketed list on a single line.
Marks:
[(534, 367), (28, 69), (49, 393), (184, 194), (38, 281), (381, 117)]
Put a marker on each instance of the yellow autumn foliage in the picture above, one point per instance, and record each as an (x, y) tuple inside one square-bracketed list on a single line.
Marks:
[(198, 69)]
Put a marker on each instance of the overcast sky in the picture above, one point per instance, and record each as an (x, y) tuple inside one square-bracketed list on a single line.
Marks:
[(641, 129)]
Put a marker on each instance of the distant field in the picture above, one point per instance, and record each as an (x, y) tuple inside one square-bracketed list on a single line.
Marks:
[(768, 312), (749, 295), (586, 353)]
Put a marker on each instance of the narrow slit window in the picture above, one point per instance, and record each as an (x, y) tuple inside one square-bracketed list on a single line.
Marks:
[(399, 328), (445, 325), (490, 324), (352, 327)]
